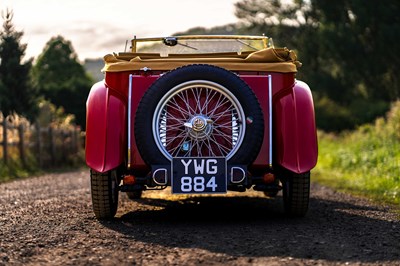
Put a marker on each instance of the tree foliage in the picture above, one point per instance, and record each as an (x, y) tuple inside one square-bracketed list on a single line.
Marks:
[(223, 30), (17, 94), (61, 78), (348, 49)]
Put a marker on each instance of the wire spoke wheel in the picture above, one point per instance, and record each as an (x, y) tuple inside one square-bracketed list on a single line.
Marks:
[(199, 111), (198, 119)]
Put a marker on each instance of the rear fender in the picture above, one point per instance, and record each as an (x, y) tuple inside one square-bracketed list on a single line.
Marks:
[(296, 147), (105, 128)]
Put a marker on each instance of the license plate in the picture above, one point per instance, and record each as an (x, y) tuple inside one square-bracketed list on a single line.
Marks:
[(198, 175)]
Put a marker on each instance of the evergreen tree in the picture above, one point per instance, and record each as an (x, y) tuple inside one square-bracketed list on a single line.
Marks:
[(17, 95), (62, 79)]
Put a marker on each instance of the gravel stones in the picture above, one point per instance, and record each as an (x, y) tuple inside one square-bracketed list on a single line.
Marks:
[(48, 220)]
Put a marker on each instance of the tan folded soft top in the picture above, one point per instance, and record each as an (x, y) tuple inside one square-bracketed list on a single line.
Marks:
[(268, 59)]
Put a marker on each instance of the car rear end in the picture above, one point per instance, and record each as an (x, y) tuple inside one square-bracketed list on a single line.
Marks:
[(189, 114)]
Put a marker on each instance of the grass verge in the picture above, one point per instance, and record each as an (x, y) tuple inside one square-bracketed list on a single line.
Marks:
[(15, 169), (365, 161)]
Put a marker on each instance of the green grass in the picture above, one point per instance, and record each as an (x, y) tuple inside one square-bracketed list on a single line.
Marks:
[(364, 162), (15, 170)]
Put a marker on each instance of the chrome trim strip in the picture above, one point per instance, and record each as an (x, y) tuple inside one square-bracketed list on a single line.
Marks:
[(241, 170), (129, 120), (165, 176), (270, 119)]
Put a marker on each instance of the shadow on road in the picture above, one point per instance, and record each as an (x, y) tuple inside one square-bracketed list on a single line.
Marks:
[(333, 231)]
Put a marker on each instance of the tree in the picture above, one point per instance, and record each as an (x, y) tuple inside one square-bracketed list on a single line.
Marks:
[(362, 38), (62, 79), (357, 40), (17, 95), (348, 49)]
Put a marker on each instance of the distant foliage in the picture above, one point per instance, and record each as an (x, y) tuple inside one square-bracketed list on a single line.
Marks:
[(348, 49), (62, 79), (93, 67), (17, 95), (49, 114)]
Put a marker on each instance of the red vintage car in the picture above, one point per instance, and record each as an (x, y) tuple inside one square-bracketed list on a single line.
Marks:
[(201, 115)]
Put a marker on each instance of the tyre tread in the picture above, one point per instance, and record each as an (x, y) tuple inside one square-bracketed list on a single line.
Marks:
[(102, 202), (296, 200)]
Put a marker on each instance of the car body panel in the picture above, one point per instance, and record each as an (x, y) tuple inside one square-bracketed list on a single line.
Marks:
[(293, 131), (295, 140), (105, 128)]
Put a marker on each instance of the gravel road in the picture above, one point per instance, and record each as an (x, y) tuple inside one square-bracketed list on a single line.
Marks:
[(48, 220)]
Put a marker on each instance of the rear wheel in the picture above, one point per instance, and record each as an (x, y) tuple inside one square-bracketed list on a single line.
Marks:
[(104, 187), (296, 193)]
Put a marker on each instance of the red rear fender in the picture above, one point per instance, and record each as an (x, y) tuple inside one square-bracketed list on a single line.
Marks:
[(296, 147), (105, 128)]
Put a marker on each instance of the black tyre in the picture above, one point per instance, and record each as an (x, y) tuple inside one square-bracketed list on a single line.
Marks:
[(133, 195), (296, 193), (271, 194), (199, 111), (104, 187)]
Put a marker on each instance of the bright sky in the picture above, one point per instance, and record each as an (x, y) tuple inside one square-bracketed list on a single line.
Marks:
[(96, 28)]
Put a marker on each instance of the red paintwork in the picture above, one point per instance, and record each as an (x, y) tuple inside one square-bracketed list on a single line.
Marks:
[(295, 138), (259, 84), (294, 131), (140, 84), (105, 128)]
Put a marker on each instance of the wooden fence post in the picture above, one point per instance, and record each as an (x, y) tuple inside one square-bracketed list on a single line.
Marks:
[(38, 144), (64, 145), (5, 141), (74, 140), (52, 146), (21, 145)]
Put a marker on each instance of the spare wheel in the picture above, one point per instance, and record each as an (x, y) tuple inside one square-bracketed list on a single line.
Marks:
[(199, 111)]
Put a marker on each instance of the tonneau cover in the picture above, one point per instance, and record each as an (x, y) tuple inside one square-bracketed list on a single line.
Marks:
[(268, 59)]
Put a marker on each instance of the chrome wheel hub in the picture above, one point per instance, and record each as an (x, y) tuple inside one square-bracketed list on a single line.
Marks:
[(199, 127)]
